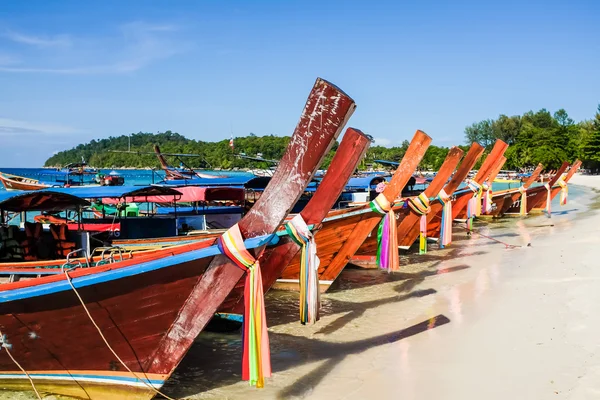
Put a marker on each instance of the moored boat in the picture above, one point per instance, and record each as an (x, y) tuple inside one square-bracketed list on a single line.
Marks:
[(503, 199), (118, 330), (344, 231), (476, 187), (65, 177), (15, 182), (275, 259), (539, 198), (409, 217)]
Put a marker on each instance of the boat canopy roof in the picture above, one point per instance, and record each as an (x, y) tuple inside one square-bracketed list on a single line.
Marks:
[(117, 192), (366, 182), (40, 200), (185, 194), (386, 162), (246, 181), (77, 196)]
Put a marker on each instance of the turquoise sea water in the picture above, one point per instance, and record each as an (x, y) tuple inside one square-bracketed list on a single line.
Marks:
[(132, 176)]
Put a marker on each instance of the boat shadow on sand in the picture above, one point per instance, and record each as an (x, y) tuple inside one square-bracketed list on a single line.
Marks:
[(214, 360)]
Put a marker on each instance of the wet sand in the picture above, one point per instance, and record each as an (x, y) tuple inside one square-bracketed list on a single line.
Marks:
[(475, 321)]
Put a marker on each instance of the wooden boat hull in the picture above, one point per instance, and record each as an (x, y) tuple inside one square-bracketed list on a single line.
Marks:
[(54, 340)]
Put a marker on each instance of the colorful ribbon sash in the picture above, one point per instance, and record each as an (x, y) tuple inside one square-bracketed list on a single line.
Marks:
[(310, 301), (477, 190), (564, 191), (523, 191), (548, 199), (256, 360), (420, 205), (446, 227), (474, 204), (387, 235), (487, 198)]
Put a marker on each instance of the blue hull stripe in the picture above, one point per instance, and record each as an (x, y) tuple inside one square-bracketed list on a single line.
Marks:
[(141, 268)]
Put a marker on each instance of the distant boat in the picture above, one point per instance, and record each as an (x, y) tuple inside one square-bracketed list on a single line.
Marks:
[(173, 173), (15, 182), (62, 178), (72, 174)]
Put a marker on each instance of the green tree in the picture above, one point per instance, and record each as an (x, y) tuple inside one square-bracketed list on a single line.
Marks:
[(481, 132), (591, 149)]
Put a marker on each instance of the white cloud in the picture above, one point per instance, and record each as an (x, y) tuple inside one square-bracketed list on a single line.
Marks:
[(131, 47), (39, 41), (12, 127)]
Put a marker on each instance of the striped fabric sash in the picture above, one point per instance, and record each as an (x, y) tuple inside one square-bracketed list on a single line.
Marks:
[(564, 191), (548, 199), (523, 191), (256, 360), (477, 190), (310, 301), (487, 198), (387, 235), (446, 227), (420, 205)]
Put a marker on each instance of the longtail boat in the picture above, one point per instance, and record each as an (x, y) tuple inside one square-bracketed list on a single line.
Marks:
[(119, 330), (71, 175), (15, 182), (503, 199), (408, 219), (172, 173), (475, 188), (540, 198), (275, 259), (344, 231)]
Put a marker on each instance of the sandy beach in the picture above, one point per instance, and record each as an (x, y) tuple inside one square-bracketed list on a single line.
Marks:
[(475, 321)]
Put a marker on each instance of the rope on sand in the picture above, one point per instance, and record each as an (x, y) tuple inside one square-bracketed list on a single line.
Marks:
[(506, 245)]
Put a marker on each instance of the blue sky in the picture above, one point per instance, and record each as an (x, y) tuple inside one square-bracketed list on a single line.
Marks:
[(72, 71)]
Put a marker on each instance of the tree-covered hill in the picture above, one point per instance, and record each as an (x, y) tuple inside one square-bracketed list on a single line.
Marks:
[(539, 137), (212, 154), (98, 153)]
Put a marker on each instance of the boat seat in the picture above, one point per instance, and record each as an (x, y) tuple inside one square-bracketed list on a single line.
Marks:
[(10, 244)]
